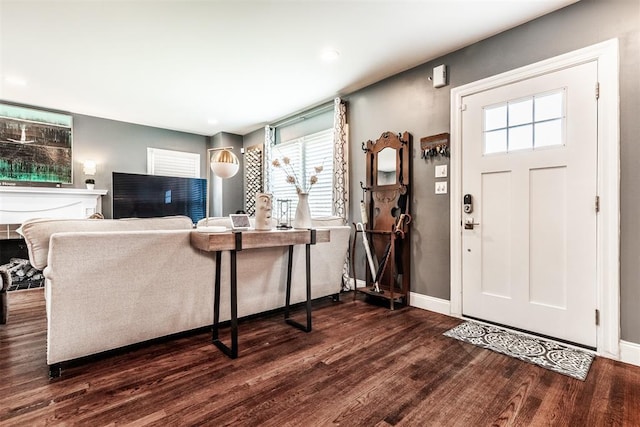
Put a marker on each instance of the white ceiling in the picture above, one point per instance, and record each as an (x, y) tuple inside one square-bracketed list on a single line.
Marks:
[(240, 64)]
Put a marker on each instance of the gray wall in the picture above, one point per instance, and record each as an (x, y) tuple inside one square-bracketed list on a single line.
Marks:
[(122, 147), (408, 102)]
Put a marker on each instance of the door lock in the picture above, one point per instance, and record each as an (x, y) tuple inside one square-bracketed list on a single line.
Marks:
[(467, 204), (468, 223)]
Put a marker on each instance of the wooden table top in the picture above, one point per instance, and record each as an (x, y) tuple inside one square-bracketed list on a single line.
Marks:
[(253, 239)]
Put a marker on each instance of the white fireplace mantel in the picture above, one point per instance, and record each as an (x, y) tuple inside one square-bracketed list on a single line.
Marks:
[(18, 204)]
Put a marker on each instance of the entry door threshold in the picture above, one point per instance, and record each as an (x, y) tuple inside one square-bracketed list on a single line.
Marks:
[(534, 334)]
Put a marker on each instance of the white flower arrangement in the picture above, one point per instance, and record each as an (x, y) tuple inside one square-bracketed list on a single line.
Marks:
[(292, 177)]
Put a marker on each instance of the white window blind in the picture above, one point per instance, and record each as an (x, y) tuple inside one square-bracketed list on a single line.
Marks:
[(305, 154), (173, 163)]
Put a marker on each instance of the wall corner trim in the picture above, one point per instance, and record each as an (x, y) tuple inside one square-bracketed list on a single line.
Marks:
[(630, 352)]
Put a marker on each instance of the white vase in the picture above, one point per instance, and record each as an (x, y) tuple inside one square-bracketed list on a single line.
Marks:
[(263, 211), (303, 214), (90, 186)]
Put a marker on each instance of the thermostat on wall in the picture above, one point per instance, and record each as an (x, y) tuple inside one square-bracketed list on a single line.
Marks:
[(440, 76)]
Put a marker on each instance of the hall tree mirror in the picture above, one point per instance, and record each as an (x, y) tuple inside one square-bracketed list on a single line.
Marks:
[(386, 166), (386, 195)]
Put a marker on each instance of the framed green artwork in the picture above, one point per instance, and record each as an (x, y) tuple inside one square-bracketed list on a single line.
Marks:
[(35, 145)]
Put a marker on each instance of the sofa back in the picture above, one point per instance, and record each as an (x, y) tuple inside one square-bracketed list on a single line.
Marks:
[(224, 221), (37, 232)]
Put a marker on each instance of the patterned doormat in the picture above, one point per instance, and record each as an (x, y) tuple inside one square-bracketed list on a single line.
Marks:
[(547, 354)]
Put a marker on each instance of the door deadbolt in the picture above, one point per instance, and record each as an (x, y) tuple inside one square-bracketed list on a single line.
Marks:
[(467, 204)]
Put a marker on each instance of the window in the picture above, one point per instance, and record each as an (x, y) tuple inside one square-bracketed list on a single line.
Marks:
[(305, 154), (525, 124), (173, 163)]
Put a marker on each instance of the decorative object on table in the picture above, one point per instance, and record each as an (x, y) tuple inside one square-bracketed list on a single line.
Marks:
[(539, 351), (240, 221), (284, 213), (35, 145), (303, 213), (386, 198), (302, 218), (90, 183), (224, 164), (263, 211)]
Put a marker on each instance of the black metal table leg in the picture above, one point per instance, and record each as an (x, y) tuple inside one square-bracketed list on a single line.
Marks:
[(232, 351), (216, 301), (287, 300), (307, 327)]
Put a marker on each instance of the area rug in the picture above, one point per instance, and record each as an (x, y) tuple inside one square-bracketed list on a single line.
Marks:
[(547, 354)]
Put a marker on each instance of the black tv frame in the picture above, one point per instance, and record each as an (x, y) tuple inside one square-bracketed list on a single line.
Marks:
[(148, 196)]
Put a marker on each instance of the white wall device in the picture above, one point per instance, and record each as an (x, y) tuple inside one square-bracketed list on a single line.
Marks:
[(440, 76)]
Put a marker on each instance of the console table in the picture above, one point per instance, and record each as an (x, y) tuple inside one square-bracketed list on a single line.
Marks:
[(234, 241)]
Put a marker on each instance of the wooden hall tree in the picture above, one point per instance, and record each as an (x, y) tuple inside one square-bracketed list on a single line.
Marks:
[(386, 226)]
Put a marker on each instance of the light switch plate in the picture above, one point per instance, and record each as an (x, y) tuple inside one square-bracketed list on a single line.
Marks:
[(441, 187), (441, 171)]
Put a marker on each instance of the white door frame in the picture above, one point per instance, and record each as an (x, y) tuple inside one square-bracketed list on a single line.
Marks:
[(607, 222)]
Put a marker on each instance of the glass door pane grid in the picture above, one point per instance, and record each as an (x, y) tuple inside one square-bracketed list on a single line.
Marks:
[(500, 136)]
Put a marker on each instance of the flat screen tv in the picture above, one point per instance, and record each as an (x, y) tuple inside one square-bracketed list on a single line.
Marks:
[(147, 196)]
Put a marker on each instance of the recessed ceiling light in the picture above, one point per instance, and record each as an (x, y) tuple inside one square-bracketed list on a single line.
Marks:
[(15, 81), (329, 55)]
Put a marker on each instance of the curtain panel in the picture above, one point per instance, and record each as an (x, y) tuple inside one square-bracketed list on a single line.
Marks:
[(269, 142), (340, 160)]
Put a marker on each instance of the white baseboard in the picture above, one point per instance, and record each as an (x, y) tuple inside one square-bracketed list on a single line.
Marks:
[(423, 302), (426, 302), (630, 352)]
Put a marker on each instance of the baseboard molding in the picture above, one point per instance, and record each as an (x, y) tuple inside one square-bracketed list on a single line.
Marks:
[(426, 302), (630, 352)]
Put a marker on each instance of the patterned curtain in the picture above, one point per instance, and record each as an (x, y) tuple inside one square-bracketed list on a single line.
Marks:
[(340, 160), (269, 141), (341, 174)]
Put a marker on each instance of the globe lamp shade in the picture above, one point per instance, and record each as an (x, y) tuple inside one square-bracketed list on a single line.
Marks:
[(224, 164)]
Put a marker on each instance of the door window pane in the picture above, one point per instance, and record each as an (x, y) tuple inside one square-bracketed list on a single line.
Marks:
[(495, 118), (495, 142), (520, 112), (521, 138), (549, 106), (548, 133)]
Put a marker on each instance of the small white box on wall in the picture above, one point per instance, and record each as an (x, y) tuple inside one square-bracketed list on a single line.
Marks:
[(440, 76)]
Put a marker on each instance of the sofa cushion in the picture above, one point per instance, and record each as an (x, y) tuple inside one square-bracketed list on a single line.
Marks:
[(37, 232)]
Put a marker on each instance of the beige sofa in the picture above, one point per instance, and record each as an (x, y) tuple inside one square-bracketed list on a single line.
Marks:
[(113, 283)]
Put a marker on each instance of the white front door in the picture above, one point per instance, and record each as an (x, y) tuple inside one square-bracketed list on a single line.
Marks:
[(529, 163)]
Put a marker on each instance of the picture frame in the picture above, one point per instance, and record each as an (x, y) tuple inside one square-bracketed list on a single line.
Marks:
[(35, 146), (240, 221)]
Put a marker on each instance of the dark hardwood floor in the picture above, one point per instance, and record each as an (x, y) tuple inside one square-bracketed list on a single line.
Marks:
[(362, 365)]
